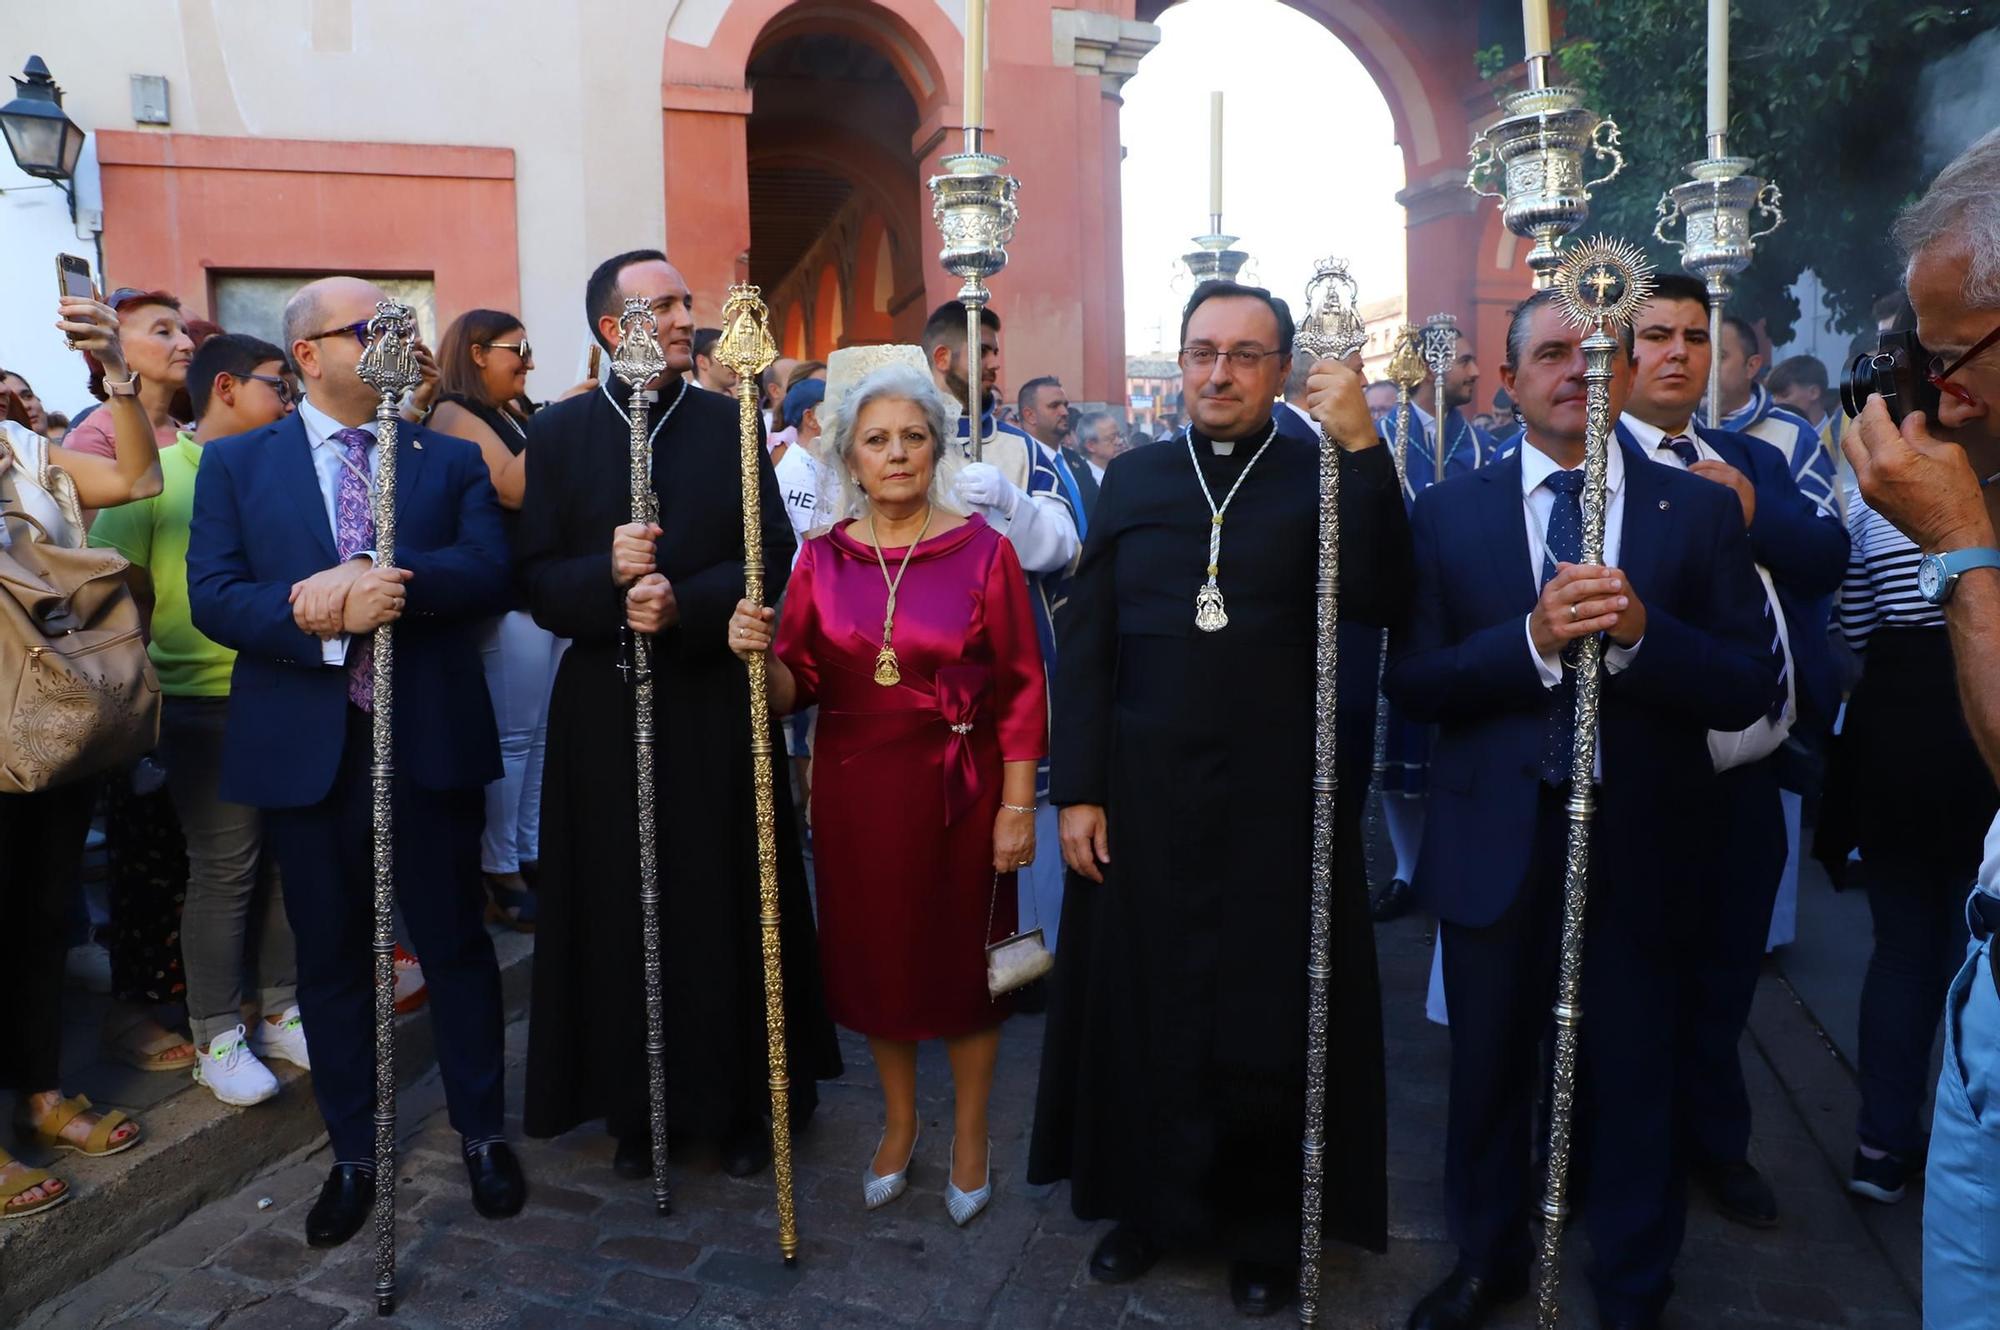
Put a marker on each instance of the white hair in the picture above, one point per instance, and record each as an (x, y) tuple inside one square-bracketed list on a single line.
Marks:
[(1962, 204), (891, 383)]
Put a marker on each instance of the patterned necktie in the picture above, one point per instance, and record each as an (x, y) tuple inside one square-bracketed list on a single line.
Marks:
[(1562, 544), (353, 532), (1683, 447)]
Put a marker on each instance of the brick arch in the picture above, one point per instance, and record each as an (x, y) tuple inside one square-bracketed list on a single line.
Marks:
[(923, 45), (875, 250), (829, 321), (793, 320)]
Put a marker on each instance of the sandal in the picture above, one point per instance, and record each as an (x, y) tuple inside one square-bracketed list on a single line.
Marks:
[(47, 1132), (158, 1050), (509, 901), (23, 1182)]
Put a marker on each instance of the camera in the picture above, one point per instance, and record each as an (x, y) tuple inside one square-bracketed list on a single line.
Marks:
[(1898, 369)]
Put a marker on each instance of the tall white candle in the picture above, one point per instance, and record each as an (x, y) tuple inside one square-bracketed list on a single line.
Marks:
[(1535, 26), (975, 63), (1718, 67), (1215, 154)]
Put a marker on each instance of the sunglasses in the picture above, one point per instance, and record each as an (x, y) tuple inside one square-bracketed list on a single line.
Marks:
[(358, 331), (1940, 374), (520, 348)]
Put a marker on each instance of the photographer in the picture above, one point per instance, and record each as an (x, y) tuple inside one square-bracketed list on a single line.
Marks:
[(1923, 473)]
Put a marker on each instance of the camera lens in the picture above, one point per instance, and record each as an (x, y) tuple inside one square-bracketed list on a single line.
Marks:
[(1862, 380)]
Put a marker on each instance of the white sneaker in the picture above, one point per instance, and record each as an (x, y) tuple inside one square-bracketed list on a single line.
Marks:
[(285, 1041), (233, 1072)]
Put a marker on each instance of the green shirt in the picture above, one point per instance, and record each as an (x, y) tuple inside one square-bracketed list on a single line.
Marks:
[(153, 534)]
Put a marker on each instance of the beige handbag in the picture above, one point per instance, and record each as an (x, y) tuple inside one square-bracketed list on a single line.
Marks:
[(1013, 962), (77, 692)]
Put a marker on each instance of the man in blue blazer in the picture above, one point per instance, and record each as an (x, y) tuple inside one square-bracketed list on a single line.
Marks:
[(1802, 549), (1501, 594), (280, 567)]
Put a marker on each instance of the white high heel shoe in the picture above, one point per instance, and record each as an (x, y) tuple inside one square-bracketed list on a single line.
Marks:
[(876, 1190), (964, 1206)]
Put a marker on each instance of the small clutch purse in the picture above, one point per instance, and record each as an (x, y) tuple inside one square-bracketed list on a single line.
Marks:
[(1013, 962)]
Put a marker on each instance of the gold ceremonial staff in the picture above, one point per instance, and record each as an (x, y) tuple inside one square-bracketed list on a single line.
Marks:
[(1406, 370), (389, 366), (1602, 285), (1332, 329), (746, 347), (637, 362)]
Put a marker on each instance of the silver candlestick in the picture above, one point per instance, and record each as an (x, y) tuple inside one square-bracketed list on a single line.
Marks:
[(1331, 330), (975, 207), (1537, 147), (1215, 256), (1714, 210)]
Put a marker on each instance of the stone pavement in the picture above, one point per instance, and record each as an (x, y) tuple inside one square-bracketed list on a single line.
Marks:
[(589, 1252)]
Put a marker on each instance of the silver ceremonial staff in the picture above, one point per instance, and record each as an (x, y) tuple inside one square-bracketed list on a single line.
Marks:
[(1331, 330), (1440, 349), (1406, 370), (1602, 285), (389, 366), (637, 362), (974, 206), (747, 348)]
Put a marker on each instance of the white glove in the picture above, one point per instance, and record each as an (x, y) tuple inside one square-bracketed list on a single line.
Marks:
[(980, 485)]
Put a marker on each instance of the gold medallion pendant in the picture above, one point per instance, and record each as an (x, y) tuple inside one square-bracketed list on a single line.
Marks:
[(1209, 615), (887, 672)]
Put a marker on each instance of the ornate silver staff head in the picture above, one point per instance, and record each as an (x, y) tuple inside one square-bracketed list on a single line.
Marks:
[(1603, 284), (638, 359), (1537, 147), (1332, 328), (975, 207), (1714, 209), (1438, 343), (389, 361), (746, 345)]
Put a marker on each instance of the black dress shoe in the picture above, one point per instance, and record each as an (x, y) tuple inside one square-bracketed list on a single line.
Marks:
[(1740, 1193), (746, 1151), (1260, 1290), (1464, 1300), (634, 1158), (342, 1207), (498, 1189), (1392, 902), (1123, 1255)]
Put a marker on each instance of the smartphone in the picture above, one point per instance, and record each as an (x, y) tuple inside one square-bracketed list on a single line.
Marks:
[(73, 277)]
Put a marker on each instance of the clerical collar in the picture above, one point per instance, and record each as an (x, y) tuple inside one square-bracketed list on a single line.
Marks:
[(1227, 447)]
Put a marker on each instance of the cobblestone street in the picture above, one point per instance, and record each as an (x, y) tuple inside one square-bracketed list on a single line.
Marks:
[(588, 1252)]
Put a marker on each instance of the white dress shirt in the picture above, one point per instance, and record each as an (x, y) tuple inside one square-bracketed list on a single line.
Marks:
[(1730, 748), (1096, 471), (1539, 502), (329, 463)]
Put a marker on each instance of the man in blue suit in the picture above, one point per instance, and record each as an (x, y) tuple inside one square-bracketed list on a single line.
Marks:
[(1802, 552), (1482, 656), (280, 567)]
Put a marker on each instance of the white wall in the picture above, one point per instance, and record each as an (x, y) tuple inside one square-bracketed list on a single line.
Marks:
[(34, 228), (572, 86)]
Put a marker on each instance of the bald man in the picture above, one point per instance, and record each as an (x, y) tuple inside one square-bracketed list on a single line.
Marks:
[(281, 567)]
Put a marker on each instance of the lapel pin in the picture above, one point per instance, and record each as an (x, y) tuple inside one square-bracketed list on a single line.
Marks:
[(1664, 505)]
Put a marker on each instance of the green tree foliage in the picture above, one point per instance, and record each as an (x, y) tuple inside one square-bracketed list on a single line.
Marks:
[(1823, 95)]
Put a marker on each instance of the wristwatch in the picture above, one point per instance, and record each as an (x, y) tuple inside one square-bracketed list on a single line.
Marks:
[(1938, 574)]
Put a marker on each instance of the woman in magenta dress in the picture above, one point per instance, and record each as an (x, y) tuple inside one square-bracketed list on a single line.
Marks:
[(909, 626)]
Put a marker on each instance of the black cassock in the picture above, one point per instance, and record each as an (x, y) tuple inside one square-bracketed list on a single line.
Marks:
[(586, 1038), (1173, 1077)]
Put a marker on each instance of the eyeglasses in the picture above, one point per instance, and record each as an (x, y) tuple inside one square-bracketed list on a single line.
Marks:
[(1941, 377), (1242, 359), (282, 387), (358, 331), (520, 348)]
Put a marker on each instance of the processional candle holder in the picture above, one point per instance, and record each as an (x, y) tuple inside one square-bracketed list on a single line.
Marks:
[(1215, 256), (747, 348), (389, 365), (1714, 209), (637, 362), (1602, 286), (975, 205), (1331, 330), (1537, 150)]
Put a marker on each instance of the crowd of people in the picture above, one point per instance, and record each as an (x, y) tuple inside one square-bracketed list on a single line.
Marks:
[(1046, 690)]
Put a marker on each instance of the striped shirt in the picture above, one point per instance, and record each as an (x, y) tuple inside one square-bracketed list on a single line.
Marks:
[(1880, 590)]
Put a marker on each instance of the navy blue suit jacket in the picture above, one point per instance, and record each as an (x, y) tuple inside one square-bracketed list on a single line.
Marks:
[(1804, 549), (259, 526), (1462, 662)]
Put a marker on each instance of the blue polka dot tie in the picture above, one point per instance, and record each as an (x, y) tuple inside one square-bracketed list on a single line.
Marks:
[(1563, 543)]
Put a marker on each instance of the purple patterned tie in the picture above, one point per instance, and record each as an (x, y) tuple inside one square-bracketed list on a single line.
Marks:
[(353, 532)]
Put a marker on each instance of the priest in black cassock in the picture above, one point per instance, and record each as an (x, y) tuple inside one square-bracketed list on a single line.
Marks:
[(1173, 1076), (586, 1039)]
